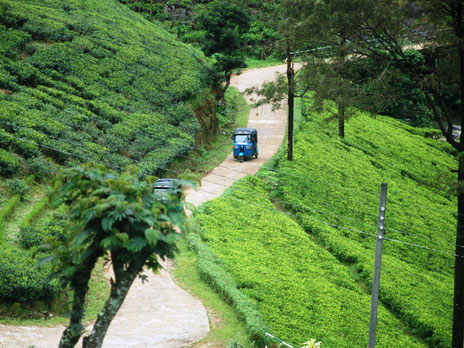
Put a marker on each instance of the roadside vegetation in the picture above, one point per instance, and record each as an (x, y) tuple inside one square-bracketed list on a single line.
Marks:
[(226, 327), (319, 250), (26, 218)]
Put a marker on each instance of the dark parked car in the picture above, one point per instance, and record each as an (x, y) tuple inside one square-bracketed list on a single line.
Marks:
[(167, 189)]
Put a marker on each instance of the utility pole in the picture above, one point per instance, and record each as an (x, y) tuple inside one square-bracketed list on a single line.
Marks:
[(378, 263), (291, 101)]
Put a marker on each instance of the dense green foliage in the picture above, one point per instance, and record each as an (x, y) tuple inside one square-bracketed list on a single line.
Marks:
[(339, 188), (212, 272), (223, 25), (299, 287), (82, 81), (18, 186), (22, 281), (93, 81), (179, 17), (313, 279)]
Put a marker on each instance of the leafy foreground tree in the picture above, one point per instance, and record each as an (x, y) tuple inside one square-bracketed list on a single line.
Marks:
[(118, 218), (224, 24)]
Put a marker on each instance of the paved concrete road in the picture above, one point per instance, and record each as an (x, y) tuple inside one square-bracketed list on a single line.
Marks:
[(158, 313), (271, 127)]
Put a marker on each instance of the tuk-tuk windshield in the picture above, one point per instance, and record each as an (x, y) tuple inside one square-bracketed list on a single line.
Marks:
[(242, 138)]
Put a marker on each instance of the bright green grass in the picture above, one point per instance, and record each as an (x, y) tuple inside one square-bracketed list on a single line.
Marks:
[(333, 187), (253, 63), (224, 324), (13, 223), (302, 290)]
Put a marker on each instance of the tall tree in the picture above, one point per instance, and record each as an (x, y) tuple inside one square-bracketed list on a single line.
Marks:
[(224, 24), (274, 92), (116, 217)]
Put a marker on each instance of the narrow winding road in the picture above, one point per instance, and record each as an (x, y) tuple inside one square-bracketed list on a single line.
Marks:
[(158, 313)]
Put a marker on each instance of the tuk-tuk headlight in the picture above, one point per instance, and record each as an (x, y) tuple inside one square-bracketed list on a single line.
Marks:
[(248, 147), (235, 147)]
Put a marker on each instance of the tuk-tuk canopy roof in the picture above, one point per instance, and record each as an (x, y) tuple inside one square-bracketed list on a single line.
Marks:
[(250, 131)]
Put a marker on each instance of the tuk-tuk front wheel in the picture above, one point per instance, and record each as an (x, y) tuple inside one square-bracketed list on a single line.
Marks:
[(241, 159)]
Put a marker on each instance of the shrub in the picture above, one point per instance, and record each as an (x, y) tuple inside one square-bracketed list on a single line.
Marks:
[(41, 168), (21, 280), (75, 86), (30, 237), (9, 163), (18, 187), (298, 286), (211, 271), (332, 188)]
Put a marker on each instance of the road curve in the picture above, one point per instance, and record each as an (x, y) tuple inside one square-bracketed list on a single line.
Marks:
[(159, 313), (271, 127)]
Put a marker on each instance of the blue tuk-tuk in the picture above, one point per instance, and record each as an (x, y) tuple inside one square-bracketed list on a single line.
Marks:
[(245, 143)]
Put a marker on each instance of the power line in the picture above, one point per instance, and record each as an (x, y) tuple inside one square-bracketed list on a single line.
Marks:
[(328, 213), (336, 225)]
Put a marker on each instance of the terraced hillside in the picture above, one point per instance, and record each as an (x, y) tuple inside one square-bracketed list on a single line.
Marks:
[(92, 80), (298, 241)]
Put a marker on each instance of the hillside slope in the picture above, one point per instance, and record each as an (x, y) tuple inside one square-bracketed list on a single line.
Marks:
[(93, 81), (311, 277), (81, 81)]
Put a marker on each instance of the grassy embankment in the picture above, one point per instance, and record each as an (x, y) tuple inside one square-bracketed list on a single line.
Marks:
[(253, 63), (309, 271)]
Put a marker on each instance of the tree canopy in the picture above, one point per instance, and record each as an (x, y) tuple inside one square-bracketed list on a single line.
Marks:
[(117, 218), (224, 24)]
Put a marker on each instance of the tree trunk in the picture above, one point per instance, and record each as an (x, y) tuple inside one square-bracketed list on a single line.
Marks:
[(291, 103), (220, 93), (73, 332), (341, 121), (458, 313), (151, 11), (119, 290)]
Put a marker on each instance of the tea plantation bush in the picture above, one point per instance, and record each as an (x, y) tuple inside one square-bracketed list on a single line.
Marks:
[(92, 80), (332, 186), (310, 273), (86, 81), (301, 289), (22, 281), (18, 187)]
